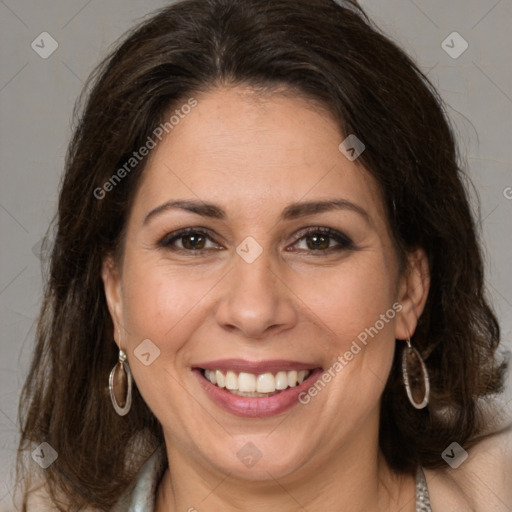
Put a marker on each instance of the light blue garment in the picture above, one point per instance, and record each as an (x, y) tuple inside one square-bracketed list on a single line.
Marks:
[(141, 495)]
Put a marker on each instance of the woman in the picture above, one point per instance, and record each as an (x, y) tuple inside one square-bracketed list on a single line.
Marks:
[(266, 290)]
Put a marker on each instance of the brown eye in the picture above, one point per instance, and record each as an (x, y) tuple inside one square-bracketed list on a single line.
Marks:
[(189, 240), (323, 240), (317, 241), (193, 242)]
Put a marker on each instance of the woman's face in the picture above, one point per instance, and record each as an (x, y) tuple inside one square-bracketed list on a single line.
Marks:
[(257, 288)]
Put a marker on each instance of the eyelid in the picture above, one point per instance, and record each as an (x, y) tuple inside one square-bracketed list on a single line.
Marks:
[(166, 240), (343, 240), (319, 229)]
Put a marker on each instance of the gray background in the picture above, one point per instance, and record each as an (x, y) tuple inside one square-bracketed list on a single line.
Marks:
[(36, 102)]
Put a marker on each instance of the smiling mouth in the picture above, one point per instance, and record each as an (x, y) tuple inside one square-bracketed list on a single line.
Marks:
[(252, 385)]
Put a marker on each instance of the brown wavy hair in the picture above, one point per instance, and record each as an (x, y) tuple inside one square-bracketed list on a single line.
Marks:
[(325, 51)]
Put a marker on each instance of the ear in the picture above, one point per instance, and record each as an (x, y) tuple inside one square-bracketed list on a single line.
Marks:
[(111, 276), (412, 293)]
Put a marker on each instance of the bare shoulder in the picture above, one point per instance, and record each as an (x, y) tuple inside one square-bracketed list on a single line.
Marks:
[(482, 482)]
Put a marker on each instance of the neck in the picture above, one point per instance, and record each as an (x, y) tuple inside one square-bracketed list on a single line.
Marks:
[(354, 478)]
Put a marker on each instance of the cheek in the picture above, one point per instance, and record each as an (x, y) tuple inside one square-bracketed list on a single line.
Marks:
[(160, 306), (157, 300), (355, 305), (350, 298)]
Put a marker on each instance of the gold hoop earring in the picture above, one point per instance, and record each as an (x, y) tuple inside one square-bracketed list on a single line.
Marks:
[(416, 380), (120, 385)]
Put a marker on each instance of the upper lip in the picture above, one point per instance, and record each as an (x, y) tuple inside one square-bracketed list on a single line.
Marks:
[(256, 367)]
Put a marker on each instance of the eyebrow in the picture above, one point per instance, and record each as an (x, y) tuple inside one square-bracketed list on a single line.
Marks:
[(292, 211)]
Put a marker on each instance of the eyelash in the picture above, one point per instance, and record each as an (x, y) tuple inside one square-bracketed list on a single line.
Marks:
[(345, 243)]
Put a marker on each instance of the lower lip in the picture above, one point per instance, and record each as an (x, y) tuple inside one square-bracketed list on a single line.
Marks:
[(256, 407)]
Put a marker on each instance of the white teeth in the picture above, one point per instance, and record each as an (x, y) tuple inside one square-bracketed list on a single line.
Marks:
[(219, 377), (292, 378), (231, 380), (210, 375), (281, 380), (249, 384), (266, 383), (249, 395)]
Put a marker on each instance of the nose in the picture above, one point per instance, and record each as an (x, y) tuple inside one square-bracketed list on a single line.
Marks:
[(255, 301)]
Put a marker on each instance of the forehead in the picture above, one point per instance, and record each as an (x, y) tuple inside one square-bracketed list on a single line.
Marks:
[(254, 153)]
